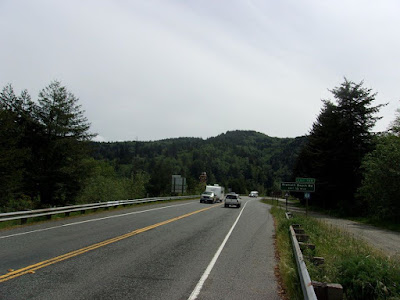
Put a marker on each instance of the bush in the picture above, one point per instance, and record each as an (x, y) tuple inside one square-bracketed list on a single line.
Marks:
[(23, 202), (369, 277)]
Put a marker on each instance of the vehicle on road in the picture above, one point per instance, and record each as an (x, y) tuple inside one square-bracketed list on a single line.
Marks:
[(208, 197), (232, 199), (253, 194), (219, 191)]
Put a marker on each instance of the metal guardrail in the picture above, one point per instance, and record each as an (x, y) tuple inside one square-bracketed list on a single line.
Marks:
[(305, 280), (24, 215)]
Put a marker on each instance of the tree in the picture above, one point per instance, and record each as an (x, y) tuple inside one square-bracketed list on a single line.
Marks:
[(63, 145), (357, 118), (395, 126), (339, 140), (14, 152), (319, 157), (380, 187), (10, 155)]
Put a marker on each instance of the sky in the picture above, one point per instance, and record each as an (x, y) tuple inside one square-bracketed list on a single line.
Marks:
[(149, 70)]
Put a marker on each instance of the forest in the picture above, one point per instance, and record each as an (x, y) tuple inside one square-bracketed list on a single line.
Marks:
[(238, 160), (48, 158)]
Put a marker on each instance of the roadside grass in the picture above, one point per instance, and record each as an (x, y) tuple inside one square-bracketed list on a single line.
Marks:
[(37, 220), (286, 264), (364, 273)]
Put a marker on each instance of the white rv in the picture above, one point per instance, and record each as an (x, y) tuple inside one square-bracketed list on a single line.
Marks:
[(253, 194)]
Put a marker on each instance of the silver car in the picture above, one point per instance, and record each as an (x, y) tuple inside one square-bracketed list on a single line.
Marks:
[(232, 199), (208, 197)]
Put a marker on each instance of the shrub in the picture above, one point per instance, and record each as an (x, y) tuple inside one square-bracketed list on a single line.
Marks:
[(369, 277)]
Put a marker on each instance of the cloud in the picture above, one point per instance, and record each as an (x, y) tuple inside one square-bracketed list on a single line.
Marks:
[(157, 69)]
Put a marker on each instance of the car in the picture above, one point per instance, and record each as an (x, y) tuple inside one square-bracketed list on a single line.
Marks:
[(207, 197), (253, 194), (232, 199)]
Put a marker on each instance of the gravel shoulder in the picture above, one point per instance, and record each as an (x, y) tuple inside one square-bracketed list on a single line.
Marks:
[(385, 240)]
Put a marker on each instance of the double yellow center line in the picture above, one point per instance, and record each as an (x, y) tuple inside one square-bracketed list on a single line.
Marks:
[(32, 268)]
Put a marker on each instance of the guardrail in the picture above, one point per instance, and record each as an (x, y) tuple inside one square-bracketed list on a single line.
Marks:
[(312, 290), (305, 280), (24, 215)]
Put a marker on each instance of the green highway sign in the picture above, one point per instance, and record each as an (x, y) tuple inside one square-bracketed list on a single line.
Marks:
[(288, 186), (305, 180), (297, 187)]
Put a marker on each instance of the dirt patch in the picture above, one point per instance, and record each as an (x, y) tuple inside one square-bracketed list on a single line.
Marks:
[(385, 240)]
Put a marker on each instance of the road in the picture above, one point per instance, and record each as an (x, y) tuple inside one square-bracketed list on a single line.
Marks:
[(176, 250)]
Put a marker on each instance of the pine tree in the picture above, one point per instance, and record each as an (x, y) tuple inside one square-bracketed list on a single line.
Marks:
[(63, 145), (357, 118), (337, 143), (11, 157)]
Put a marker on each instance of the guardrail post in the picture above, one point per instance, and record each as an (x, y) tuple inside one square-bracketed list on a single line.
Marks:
[(302, 237), (316, 260), (306, 246), (328, 291)]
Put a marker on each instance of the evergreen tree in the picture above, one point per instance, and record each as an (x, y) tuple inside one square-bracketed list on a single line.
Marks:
[(63, 145), (319, 156), (10, 155), (395, 126), (339, 140), (357, 118), (14, 151)]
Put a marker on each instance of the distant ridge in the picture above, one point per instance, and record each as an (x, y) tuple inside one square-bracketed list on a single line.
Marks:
[(242, 159)]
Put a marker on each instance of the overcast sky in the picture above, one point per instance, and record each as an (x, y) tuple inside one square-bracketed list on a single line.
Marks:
[(149, 70)]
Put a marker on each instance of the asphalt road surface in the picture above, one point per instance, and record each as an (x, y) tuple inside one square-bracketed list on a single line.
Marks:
[(176, 250)]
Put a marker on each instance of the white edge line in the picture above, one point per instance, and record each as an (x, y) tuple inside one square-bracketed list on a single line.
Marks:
[(92, 220), (209, 268)]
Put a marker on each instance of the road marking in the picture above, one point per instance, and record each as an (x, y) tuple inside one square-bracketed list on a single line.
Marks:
[(32, 268), (209, 268), (91, 220)]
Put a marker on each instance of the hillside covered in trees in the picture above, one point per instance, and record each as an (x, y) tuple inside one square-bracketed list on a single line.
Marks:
[(238, 160)]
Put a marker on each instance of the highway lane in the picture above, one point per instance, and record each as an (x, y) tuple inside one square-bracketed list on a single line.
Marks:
[(154, 260)]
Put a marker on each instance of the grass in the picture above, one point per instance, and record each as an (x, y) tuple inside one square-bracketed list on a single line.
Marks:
[(364, 272)]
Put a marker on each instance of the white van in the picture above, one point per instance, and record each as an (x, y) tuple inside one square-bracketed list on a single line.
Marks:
[(253, 194)]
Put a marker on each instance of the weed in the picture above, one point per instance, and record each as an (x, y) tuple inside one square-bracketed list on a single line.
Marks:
[(364, 273)]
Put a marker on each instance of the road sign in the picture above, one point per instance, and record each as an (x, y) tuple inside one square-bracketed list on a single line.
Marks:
[(178, 184), (305, 180), (288, 186), (297, 187)]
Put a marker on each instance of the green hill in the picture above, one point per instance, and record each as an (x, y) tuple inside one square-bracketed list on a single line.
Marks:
[(239, 160)]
